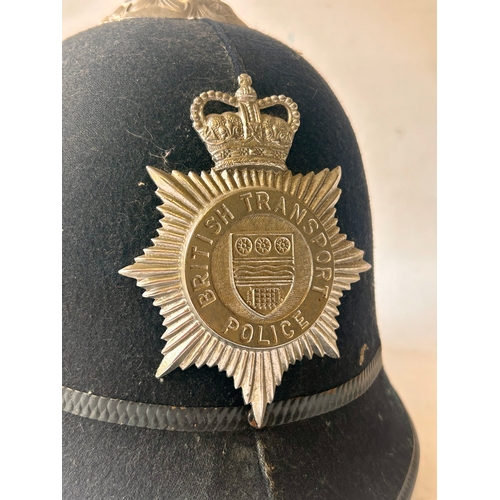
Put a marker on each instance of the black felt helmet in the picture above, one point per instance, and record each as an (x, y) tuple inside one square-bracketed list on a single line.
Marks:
[(336, 428)]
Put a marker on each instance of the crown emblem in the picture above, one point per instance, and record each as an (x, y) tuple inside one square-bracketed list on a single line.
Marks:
[(246, 137)]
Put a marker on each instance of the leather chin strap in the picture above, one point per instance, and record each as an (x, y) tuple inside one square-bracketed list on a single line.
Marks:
[(228, 418)]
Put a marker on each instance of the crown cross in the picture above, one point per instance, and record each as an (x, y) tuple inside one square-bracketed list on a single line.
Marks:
[(246, 137)]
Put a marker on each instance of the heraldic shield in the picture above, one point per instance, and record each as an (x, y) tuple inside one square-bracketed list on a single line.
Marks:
[(262, 269)]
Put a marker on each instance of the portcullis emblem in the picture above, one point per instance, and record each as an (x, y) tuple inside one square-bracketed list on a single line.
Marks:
[(249, 263)]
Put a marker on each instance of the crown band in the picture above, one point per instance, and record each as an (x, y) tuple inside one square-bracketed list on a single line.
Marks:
[(229, 418)]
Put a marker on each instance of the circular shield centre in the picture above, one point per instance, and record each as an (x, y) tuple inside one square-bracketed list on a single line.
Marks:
[(258, 267)]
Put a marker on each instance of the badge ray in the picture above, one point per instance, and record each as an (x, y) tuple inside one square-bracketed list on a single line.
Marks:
[(211, 184), (167, 298), (306, 347), (295, 183), (290, 353), (201, 186), (270, 174), (176, 309), (181, 315), (188, 342), (178, 224), (173, 211), (170, 191), (209, 347), (331, 322), (247, 181), (159, 286), (304, 185), (329, 344), (340, 243), (268, 368), (277, 371), (327, 208), (233, 362), (158, 252), (193, 189), (283, 360), (174, 229), (332, 231), (330, 309), (278, 181), (162, 259), (261, 391), (287, 180), (219, 181), (328, 189), (261, 175), (196, 351), (315, 185), (187, 333), (187, 204), (226, 356), (343, 258), (176, 329), (171, 206), (315, 342), (240, 371), (174, 355), (168, 295), (330, 223), (215, 354), (238, 178), (152, 268), (298, 353), (229, 181), (173, 239), (324, 324), (183, 184), (160, 243), (247, 379)]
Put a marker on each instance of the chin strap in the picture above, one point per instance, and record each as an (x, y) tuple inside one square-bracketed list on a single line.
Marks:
[(228, 418)]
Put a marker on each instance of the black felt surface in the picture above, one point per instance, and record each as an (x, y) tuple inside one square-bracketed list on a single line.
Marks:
[(127, 89), (359, 452)]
